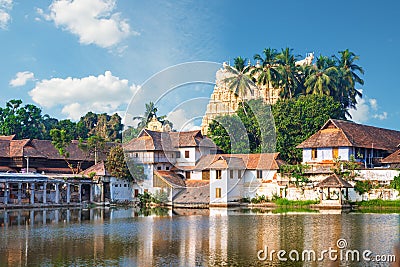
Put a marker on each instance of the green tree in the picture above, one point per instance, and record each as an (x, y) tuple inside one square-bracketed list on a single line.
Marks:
[(23, 121), (267, 74), (349, 78), (117, 165), (322, 78), (93, 145), (286, 124), (297, 119), (250, 132), (290, 81), (61, 140), (150, 112), (239, 79)]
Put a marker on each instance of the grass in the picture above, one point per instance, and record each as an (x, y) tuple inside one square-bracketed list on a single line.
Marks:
[(296, 203), (379, 203)]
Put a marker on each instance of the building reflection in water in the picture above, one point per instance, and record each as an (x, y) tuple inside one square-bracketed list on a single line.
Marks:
[(183, 237)]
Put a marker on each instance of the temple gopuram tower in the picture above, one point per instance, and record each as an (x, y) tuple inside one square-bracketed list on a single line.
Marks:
[(224, 102)]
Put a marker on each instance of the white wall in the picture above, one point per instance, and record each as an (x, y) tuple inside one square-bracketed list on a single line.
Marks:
[(218, 183), (325, 153), (182, 161), (122, 190)]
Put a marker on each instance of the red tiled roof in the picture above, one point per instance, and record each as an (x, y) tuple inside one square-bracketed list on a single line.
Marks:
[(6, 169), (100, 170), (337, 133), (7, 137), (41, 149), (262, 161), (392, 158), (171, 178), (334, 181), (168, 141)]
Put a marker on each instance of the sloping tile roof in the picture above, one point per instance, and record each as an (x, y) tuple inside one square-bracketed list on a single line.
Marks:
[(392, 158), (42, 149), (196, 193), (337, 133), (231, 162), (17, 147), (4, 149), (7, 137), (100, 170), (171, 178), (149, 140), (6, 169), (262, 161), (334, 181)]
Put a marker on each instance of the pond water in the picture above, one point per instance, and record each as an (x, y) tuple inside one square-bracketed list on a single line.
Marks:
[(188, 237)]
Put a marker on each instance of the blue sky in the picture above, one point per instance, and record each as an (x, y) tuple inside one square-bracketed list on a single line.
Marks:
[(69, 57)]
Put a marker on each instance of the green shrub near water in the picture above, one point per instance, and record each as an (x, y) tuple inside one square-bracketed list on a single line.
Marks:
[(379, 203), (287, 202)]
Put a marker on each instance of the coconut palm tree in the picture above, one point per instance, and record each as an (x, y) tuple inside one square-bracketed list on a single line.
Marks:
[(348, 79), (322, 77), (290, 80), (150, 112), (238, 79), (266, 73)]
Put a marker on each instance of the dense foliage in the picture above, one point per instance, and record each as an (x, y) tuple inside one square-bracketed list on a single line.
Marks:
[(116, 164), (287, 123), (336, 76), (27, 121)]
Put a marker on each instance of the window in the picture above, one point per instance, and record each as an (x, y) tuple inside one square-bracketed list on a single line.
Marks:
[(178, 154), (159, 168), (136, 192), (231, 174), (239, 174), (136, 155), (187, 175), (335, 152), (167, 168), (186, 154), (217, 192), (125, 185), (259, 174), (314, 153), (218, 174)]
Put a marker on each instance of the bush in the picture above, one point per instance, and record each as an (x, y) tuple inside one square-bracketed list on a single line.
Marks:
[(362, 187)]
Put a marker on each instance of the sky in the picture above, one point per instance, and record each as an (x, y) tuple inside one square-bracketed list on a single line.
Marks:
[(73, 56)]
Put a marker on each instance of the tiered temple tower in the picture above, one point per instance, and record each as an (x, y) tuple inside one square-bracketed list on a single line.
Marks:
[(225, 102)]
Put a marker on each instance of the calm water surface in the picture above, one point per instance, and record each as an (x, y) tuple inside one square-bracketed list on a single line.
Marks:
[(216, 237)]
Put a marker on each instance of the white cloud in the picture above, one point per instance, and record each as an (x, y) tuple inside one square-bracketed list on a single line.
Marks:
[(181, 122), (373, 103), (382, 116), (91, 20), (77, 96), (21, 78), (5, 8), (366, 109)]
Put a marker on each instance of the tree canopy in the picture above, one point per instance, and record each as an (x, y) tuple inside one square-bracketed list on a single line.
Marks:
[(295, 120), (27, 121)]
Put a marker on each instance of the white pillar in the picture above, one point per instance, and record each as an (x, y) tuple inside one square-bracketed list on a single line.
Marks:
[(6, 188), (80, 192), (68, 193), (19, 193), (57, 193), (91, 192), (44, 193), (32, 193)]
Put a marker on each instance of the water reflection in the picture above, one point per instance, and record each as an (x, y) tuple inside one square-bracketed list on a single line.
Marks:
[(183, 237)]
